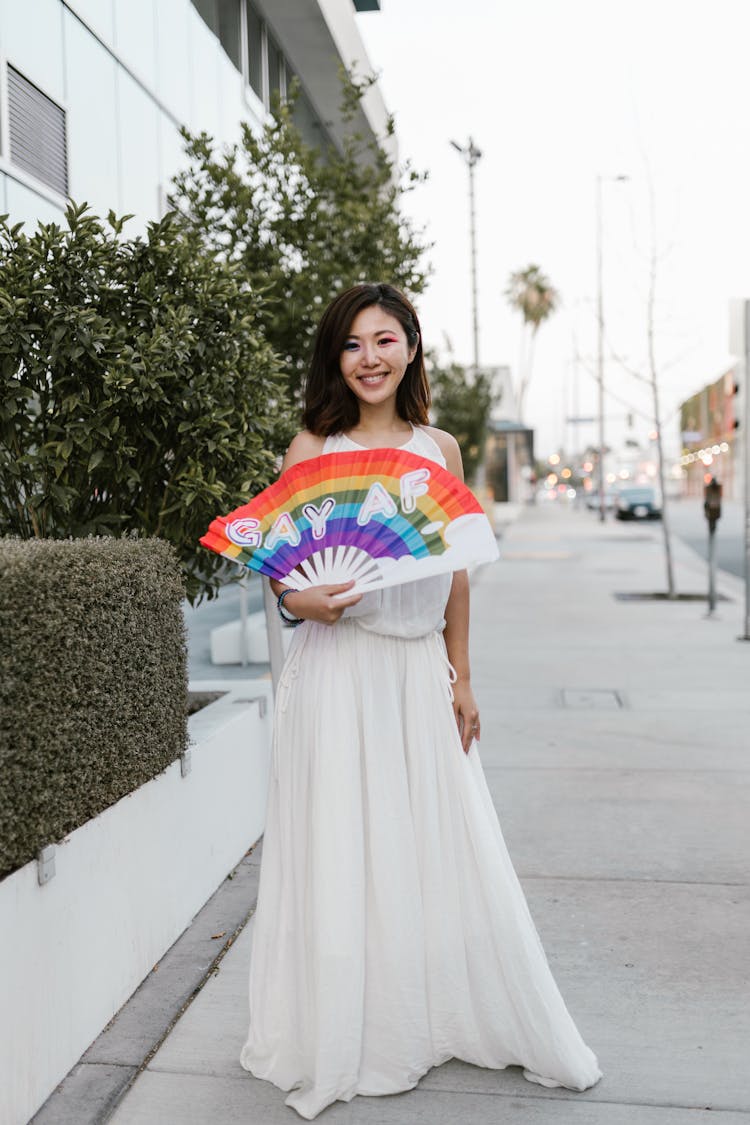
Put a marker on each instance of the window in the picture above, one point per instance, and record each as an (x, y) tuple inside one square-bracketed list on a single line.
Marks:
[(36, 132), (276, 71), (308, 122), (255, 37), (208, 11), (229, 30), (223, 18)]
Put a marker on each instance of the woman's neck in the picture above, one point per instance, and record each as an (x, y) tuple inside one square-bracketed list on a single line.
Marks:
[(374, 420)]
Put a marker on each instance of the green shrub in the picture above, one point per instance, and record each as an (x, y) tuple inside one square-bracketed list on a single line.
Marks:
[(301, 222), (93, 682), (462, 402), (136, 389)]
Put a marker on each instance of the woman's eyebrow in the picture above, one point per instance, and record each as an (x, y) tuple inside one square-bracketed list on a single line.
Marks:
[(377, 332)]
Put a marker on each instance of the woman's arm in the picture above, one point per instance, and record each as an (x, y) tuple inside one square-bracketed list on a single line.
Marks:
[(316, 603), (456, 632)]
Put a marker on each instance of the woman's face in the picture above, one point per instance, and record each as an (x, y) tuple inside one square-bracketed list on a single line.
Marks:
[(375, 355)]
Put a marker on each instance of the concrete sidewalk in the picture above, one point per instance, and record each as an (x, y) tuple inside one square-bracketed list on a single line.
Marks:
[(616, 744)]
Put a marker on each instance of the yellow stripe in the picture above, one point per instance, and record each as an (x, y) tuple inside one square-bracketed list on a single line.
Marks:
[(428, 506)]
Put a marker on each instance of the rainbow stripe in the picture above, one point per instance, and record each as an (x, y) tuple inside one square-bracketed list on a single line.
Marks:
[(385, 483)]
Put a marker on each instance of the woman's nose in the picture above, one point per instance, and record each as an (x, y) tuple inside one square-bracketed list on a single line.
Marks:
[(369, 355)]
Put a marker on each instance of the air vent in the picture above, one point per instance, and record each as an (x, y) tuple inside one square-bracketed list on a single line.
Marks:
[(36, 127)]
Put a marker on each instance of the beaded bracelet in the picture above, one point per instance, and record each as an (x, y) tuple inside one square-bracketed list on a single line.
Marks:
[(283, 613)]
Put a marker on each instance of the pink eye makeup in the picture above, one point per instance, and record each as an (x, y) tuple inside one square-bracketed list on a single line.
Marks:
[(352, 345)]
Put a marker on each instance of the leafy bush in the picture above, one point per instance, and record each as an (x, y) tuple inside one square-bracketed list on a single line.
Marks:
[(93, 682), (302, 223), (462, 404), (136, 389)]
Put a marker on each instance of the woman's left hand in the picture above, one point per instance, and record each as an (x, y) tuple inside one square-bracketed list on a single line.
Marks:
[(467, 713)]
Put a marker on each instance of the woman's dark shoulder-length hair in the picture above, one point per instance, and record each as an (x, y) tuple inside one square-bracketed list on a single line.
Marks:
[(330, 407)]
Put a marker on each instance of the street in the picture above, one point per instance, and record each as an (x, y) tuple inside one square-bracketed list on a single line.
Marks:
[(688, 521)]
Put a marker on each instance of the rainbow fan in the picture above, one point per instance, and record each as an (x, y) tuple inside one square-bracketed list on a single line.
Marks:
[(379, 516)]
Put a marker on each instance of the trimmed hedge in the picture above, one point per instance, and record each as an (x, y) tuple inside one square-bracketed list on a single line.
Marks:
[(93, 681)]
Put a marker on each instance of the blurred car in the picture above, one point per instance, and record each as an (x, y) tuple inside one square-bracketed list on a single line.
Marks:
[(592, 499), (637, 502)]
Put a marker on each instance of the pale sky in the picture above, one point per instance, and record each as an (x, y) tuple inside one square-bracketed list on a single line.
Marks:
[(554, 93)]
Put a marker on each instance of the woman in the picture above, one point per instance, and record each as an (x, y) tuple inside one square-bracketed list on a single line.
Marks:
[(391, 933)]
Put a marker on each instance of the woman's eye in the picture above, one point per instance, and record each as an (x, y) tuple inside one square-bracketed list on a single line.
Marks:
[(387, 340), (351, 346)]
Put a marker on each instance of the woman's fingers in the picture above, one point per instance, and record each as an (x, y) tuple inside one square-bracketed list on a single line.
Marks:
[(468, 727), (339, 588)]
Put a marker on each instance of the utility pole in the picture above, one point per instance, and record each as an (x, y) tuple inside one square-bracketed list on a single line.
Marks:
[(600, 344), (600, 332), (472, 155)]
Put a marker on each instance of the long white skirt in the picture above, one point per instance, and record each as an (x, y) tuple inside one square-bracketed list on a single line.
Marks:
[(391, 932)]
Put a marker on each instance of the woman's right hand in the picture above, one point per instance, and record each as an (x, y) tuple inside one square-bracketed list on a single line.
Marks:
[(318, 603)]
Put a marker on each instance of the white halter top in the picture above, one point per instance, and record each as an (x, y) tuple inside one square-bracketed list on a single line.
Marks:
[(413, 609)]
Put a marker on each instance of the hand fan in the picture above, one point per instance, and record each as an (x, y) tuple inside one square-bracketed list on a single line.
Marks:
[(379, 516)]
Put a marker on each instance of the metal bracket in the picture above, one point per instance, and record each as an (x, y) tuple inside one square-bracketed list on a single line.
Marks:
[(186, 762), (261, 700), (45, 861)]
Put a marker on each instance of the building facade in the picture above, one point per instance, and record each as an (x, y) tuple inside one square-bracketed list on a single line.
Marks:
[(709, 427), (93, 93)]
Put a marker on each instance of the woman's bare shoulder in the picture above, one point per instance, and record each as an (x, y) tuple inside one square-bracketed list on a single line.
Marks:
[(301, 448), (449, 448)]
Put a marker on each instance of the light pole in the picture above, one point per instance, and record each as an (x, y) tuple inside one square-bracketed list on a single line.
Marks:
[(472, 156), (600, 332)]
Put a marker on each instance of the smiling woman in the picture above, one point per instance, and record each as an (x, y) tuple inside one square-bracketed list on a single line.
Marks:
[(391, 932), (368, 339)]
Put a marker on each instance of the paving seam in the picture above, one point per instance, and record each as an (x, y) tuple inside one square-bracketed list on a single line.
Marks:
[(562, 1094), (634, 879), (611, 769)]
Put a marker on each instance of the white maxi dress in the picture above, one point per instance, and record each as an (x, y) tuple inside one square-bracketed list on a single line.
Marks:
[(391, 932)]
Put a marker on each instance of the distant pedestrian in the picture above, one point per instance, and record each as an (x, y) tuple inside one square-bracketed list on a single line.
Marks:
[(391, 932)]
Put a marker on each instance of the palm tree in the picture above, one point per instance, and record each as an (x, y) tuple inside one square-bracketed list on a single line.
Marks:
[(532, 294)]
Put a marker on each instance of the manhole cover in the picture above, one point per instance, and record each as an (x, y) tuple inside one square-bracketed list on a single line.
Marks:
[(661, 597), (592, 699), (626, 539)]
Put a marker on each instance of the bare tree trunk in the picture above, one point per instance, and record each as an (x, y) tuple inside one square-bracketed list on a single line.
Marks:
[(654, 377), (528, 336)]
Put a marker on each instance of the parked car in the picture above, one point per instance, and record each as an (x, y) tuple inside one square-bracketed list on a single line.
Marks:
[(637, 502), (592, 499)]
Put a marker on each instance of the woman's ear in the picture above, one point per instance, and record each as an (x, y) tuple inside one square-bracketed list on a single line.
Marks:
[(413, 351)]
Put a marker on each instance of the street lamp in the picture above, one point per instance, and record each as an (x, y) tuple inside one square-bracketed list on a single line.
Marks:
[(472, 156), (600, 326)]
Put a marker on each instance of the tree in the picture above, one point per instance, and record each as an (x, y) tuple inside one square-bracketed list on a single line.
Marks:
[(649, 373), (531, 293), (137, 393), (462, 406), (300, 222)]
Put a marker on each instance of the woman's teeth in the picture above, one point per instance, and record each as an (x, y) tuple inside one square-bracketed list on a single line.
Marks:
[(371, 379)]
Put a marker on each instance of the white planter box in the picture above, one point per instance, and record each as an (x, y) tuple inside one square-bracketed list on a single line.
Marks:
[(126, 885), (226, 641)]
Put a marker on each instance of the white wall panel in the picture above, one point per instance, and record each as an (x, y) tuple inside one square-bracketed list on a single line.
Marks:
[(135, 38), (206, 57), (31, 40), (173, 57), (139, 153), (26, 206), (99, 15), (93, 157), (171, 152)]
